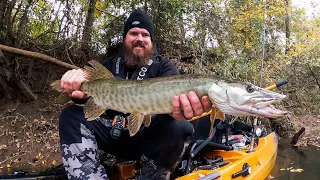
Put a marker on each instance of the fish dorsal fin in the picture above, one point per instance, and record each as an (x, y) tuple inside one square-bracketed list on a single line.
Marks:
[(97, 72), (92, 110), (134, 122)]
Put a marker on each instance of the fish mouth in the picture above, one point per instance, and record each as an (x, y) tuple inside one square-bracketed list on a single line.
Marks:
[(263, 106), (259, 106), (271, 112), (260, 102)]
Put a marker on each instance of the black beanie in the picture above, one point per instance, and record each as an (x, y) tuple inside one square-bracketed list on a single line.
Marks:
[(138, 19)]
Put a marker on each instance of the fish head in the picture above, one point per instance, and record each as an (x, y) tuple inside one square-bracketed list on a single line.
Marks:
[(245, 99)]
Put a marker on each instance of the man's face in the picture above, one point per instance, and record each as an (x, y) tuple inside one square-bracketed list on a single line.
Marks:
[(138, 47)]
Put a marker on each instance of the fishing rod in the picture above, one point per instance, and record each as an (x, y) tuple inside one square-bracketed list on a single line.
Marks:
[(278, 84)]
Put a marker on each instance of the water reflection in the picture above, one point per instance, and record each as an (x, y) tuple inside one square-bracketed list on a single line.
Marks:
[(306, 158)]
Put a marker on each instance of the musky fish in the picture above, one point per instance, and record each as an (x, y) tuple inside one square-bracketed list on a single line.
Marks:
[(154, 96)]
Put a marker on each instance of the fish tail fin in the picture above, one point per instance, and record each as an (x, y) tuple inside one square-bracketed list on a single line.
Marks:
[(97, 71), (56, 85), (63, 97)]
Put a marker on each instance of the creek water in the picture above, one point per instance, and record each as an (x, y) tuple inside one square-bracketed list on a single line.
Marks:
[(289, 158)]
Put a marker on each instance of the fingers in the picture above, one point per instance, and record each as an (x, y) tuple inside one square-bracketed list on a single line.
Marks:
[(189, 106), (206, 103), (65, 80), (78, 79), (176, 110), (186, 106), (78, 95), (195, 104), (71, 82)]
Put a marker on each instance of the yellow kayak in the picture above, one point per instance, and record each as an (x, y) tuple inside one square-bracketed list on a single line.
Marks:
[(257, 164)]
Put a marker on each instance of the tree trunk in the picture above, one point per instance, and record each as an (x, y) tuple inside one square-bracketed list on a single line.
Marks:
[(13, 19), (3, 5), (5, 91), (157, 21), (7, 21), (5, 76), (145, 6), (287, 23), (58, 22), (26, 92), (14, 79), (31, 63), (18, 81), (22, 24), (87, 30), (66, 14)]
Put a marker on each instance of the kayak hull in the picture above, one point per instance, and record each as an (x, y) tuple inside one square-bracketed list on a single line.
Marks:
[(261, 161)]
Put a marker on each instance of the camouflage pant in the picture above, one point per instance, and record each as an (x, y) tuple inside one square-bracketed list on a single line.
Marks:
[(160, 146)]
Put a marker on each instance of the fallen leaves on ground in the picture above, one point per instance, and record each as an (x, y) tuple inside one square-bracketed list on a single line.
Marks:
[(270, 177), (296, 170), (291, 169)]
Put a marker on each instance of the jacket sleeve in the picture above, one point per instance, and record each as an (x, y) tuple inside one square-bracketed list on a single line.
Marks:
[(167, 68)]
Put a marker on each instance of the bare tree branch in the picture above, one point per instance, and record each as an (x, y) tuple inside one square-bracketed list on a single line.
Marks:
[(37, 56), (315, 77)]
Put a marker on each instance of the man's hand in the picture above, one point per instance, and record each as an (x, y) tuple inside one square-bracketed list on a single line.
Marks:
[(191, 106), (71, 82)]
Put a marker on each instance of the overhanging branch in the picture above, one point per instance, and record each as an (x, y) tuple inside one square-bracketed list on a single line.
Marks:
[(37, 55)]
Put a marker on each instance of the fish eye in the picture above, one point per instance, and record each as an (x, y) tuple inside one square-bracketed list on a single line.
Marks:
[(250, 89)]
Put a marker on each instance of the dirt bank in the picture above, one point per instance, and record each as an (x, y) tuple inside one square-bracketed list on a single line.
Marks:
[(312, 134), (29, 136)]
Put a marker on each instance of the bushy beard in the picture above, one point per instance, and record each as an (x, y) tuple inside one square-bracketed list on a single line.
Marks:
[(132, 60)]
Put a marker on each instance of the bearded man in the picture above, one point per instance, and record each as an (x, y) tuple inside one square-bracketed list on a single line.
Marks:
[(160, 146)]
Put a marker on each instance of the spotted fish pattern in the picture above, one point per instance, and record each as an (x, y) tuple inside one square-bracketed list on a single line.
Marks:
[(154, 96)]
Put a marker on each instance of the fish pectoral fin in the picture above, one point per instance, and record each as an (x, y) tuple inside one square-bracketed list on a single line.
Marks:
[(134, 122), (219, 114), (147, 120), (97, 72), (92, 110), (212, 119)]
